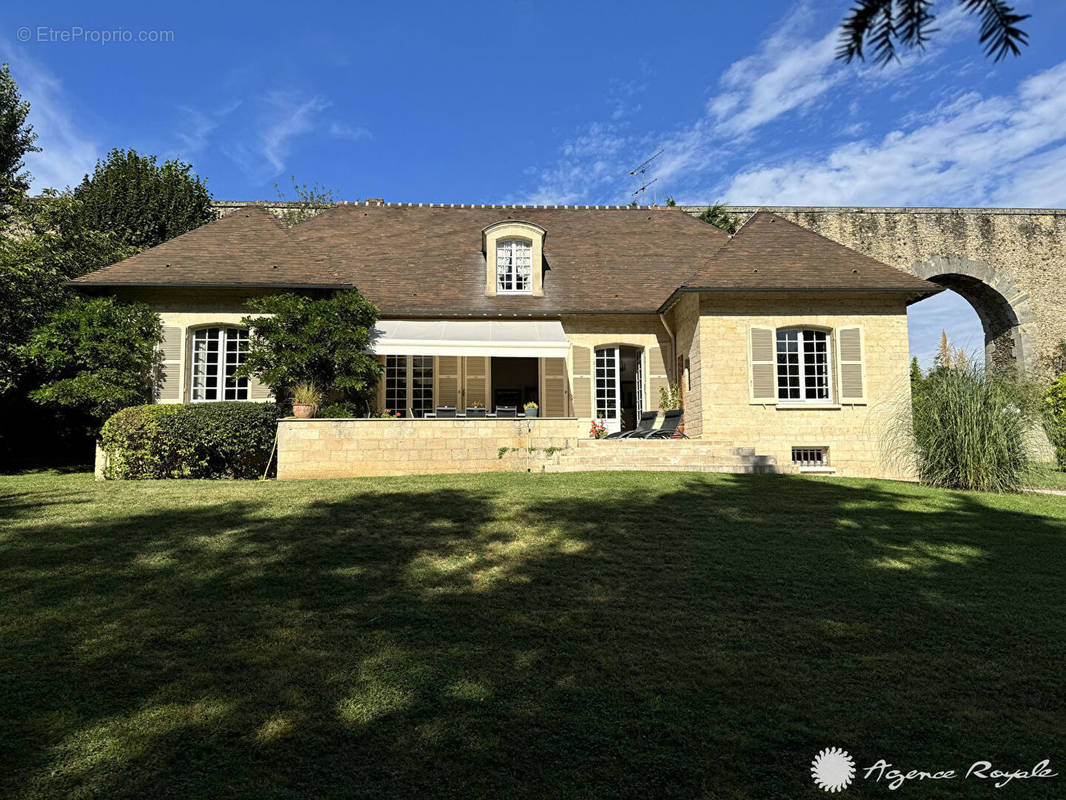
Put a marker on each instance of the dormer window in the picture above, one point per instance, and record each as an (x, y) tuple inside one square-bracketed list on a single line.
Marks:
[(514, 258), (514, 267)]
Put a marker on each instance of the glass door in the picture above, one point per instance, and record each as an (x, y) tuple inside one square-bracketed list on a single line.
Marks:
[(608, 389)]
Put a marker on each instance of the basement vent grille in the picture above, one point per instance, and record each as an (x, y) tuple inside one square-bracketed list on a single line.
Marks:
[(810, 456)]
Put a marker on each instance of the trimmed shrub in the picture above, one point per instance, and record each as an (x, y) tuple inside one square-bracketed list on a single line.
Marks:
[(1055, 418), (972, 430), (203, 440), (138, 443)]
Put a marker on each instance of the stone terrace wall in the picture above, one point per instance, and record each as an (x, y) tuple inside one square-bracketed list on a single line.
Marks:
[(346, 448)]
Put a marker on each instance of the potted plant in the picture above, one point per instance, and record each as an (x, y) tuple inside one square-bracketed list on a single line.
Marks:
[(598, 429), (531, 409), (306, 398)]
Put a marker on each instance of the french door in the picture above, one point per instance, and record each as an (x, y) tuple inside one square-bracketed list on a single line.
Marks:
[(608, 388)]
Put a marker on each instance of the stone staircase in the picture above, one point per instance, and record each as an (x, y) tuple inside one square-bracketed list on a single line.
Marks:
[(661, 455)]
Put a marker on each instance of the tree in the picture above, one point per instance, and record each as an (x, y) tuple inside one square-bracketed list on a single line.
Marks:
[(96, 356), (883, 23), (324, 342), (716, 215), (16, 140), (310, 200), (916, 374), (142, 203)]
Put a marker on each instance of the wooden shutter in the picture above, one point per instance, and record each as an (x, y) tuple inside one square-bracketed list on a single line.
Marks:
[(477, 369), (851, 369), (170, 388), (763, 371), (257, 390), (582, 357), (448, 381), (657, 377), (553, 387)]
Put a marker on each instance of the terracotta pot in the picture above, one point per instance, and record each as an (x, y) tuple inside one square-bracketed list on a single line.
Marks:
[(301, 411)]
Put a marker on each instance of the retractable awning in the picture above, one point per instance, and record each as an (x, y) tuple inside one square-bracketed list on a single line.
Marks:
[(501, 338)]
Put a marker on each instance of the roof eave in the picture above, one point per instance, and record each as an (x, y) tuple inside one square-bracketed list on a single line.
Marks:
[(918, 293)]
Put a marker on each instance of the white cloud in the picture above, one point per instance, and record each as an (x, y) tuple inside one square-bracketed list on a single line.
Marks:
[(353, 133), (970, 151), (67, 154), (293, 116)]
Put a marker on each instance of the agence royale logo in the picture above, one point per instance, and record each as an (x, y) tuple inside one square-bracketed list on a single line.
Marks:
[(833, 770)]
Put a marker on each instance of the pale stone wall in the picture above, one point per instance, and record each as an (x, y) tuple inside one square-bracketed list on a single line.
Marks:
[(685, 322), (856, 434), (345, 448)]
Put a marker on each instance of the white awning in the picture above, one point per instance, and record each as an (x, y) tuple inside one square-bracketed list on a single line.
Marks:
[(502, 338)]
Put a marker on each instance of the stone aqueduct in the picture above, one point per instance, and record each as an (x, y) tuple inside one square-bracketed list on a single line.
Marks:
[(1009, 263)]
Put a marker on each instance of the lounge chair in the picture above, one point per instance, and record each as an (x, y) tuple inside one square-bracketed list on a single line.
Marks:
[(645, 424), (671, 422), (475, 411), (506, 411), (445, 412)]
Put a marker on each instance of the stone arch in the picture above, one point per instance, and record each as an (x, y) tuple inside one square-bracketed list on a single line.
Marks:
[(1008, 321)]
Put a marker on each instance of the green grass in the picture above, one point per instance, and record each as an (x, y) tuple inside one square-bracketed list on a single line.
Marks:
[(561, 636), (1046, 476)]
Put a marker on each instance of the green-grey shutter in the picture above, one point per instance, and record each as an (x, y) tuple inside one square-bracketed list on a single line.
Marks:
[(852, 377), (169, 389)]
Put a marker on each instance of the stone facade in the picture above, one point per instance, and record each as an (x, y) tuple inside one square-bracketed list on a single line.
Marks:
[(1009, 263), (346, 448)]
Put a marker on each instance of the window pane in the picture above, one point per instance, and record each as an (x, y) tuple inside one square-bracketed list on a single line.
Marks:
[(788, 365), (396, 384), (514, 267), (816, 365)]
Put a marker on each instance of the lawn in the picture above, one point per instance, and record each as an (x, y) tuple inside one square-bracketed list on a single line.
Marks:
[(560, 636), (1046, 476)]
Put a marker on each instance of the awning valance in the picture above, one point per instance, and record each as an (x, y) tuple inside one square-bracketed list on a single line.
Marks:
[(501, 338)]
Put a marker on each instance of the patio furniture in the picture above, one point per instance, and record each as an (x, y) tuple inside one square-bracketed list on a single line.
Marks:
[(475, 411), (445, 412), (506, 411), (645, 425), (671, 423)]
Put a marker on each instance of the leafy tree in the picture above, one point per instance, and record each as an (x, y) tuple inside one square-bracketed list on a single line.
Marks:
[(882, 23), (96, 356), (716, 215), (325, 342), (310, 200), (142, 203), (1055, 418), (16, 140), (34, 268)]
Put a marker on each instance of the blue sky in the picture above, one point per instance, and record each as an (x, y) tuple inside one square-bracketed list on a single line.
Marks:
[(550, 103)]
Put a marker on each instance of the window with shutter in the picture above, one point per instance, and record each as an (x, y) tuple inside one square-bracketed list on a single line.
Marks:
[(582, 360)]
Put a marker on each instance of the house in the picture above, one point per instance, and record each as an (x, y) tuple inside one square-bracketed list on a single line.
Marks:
[(780, 339)]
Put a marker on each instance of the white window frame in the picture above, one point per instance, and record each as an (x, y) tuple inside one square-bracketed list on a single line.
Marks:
[(802, 335), (221, 335), (401, 369), (514, 272)]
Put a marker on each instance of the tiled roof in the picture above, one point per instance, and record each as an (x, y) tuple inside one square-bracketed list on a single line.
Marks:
[(247, 247), (427, 260), (770, 253)]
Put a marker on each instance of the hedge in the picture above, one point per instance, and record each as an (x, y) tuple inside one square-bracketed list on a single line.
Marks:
[(203, 440)]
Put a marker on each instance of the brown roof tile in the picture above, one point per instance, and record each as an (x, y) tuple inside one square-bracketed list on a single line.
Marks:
[(770, 253), (427, 260), (247, 247)]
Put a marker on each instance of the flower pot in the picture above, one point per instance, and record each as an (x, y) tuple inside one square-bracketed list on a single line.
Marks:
[(301, 411), (532, 412)]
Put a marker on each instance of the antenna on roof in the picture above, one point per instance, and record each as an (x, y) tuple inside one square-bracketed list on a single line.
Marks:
[(642, 170)]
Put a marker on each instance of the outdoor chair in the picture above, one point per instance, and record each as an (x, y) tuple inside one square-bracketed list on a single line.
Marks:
[(445, 412), (506, 411), (645, 425), (475, 411), (671, 423)]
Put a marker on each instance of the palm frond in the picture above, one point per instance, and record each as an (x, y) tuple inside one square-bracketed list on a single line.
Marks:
[(1000, 33)]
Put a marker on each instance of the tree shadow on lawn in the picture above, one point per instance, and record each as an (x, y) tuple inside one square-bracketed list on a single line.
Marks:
[(611, 636)]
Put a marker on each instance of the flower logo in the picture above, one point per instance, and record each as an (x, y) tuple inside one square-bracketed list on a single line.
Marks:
[(833, 769)]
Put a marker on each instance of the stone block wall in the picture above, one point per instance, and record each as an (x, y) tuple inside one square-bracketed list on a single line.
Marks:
[(345, 448)]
